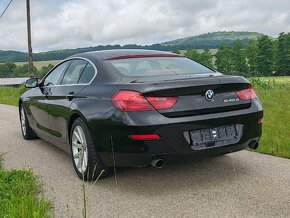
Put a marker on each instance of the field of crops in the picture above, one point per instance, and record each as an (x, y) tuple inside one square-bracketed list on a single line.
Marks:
[(39, 64)]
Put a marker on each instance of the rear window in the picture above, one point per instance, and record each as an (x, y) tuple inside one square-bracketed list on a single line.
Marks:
[(158, 66)]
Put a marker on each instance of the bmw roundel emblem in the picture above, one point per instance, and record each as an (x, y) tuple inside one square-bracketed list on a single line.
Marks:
[(209, 95)]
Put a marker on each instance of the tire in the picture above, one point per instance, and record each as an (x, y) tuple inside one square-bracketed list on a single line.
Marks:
[(87, 163), (26, 130)]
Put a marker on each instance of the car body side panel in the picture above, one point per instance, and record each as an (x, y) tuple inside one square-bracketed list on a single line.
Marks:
[(36, 108), (58, 110)]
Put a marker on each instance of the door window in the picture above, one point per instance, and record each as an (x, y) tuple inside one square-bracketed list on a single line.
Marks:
[(54, 76), (74, 72)]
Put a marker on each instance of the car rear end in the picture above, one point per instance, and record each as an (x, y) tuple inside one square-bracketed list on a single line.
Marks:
[(159, 118)]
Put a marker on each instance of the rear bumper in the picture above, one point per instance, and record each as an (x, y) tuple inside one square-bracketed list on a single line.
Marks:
[(136, 159), (172, 143), (112, 134)]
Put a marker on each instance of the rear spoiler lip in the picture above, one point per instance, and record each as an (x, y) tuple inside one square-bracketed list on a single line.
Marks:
[(142, 56), (176, 78)]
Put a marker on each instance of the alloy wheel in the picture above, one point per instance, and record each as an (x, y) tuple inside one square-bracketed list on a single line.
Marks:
[(79, 149), (23, 121)]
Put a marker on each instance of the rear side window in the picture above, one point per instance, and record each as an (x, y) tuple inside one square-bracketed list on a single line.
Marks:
[(74, 72), (158, 66), (87, 74)]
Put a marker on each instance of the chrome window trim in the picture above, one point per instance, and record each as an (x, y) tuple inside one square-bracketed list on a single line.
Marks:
[(69, 59)]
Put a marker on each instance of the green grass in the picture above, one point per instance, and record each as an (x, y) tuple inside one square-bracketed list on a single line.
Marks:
[(276, 127), (39, 64), (275, 98), (213, 51), (10, 95), (20, 195), (278, 79)]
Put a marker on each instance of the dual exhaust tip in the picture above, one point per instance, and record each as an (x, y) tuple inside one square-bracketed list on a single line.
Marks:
[(159, 162), (254, 144)]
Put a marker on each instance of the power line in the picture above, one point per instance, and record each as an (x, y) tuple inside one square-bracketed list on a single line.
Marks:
[(6, 8)]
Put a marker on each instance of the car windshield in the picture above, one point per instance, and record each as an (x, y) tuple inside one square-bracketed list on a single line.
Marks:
[(159, 66)]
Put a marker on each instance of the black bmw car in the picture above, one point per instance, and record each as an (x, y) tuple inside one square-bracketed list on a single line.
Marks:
[(139, 107)]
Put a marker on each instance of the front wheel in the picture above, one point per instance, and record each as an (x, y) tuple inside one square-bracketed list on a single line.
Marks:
[(27, 131), (86, 160)]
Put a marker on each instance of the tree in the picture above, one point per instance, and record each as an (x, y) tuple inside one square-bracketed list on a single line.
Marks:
[(206, 58), (283, 54), (11, 66), (7, 69), (22, 71), (193, 54), (176, 51), (223, 59), (4, 71), (265, 56), (251, 54), (239, 64), (44, 70)]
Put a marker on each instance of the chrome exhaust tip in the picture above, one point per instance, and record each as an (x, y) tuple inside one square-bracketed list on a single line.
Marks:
[(254, 144), (157, 163)]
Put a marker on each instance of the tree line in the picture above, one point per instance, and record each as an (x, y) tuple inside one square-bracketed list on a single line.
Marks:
[(11, 70), (208, 40), (261, 57)]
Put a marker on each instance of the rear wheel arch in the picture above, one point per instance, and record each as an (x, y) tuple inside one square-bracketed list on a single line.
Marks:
[(73, 116)]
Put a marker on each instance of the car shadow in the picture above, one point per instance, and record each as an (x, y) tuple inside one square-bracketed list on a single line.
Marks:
[(187, 174), (182, 175)]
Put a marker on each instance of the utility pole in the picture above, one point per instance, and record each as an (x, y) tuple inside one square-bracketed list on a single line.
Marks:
[(30, 61)]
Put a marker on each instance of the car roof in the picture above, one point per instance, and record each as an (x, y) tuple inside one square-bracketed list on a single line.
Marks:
[(123, 53)]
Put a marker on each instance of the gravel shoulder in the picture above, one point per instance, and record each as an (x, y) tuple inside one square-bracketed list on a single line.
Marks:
[(242, 184)]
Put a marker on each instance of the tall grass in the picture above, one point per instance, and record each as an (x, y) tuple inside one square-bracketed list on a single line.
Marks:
[(21, 195), (10, 95)]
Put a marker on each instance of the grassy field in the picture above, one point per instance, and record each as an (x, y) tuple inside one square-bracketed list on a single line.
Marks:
[(20, 195), (278, 79), (39, 64), (213, 51), (274, 93)]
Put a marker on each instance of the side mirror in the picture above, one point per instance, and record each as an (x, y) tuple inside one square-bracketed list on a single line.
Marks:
[(31, 83)]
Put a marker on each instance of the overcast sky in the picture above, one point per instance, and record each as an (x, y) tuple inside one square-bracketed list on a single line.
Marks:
[(58, 24)]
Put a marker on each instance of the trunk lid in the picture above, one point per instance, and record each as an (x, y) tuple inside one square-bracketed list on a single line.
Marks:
[(191, 93)]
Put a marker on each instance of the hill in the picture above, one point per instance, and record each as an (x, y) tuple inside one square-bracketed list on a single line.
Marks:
[(208, 40), (212, 40)]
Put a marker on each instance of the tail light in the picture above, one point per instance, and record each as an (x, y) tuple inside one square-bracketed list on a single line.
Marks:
[(247, 94), (126, 100), (162, 102)]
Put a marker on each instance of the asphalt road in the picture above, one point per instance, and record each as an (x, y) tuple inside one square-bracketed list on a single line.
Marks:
[(242, 184)]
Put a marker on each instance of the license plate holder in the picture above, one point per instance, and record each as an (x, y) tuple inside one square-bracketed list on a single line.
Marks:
[(214, 137)]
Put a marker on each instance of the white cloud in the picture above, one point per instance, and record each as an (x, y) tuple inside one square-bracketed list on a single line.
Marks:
[(77, 23)]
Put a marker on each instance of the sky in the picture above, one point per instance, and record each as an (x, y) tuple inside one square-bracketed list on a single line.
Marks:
[(59, 24)]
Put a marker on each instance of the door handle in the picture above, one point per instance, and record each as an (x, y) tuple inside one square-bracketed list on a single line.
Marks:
[(70, 96)]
